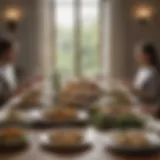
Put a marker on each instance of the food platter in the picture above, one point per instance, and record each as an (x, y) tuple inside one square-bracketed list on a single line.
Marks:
[(12, 140), (134, 143), (65, 141), (80, 93), (13, 118), (59, 117)]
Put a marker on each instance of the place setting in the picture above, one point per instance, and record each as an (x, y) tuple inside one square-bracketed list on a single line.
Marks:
[(133, 143), (68, 141), (58, 117), (13, 140)]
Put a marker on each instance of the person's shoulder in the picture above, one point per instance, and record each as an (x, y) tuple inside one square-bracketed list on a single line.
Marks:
[(156, 74), (154, 71)]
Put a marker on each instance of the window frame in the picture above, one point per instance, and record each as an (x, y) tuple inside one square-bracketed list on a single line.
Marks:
[(77, 34)]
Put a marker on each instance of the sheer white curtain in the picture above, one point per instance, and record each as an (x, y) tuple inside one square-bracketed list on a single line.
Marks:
[(44, 26), (118, 34), (106, 27), (114, 39)]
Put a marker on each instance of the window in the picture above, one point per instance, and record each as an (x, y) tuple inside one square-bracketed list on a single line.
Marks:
[(64, 39), (77, 37), (90, 36)]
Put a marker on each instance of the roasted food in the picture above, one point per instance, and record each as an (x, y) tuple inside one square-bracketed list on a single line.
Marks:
[(66, 138), (131, 139), (80, 93), (119, 98), (30, 100), (116, 110), (60, 114), (13, 116), (11, 136)]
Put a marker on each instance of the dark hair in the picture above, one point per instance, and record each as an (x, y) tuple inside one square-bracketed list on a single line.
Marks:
[(4, 46), (149, 50)]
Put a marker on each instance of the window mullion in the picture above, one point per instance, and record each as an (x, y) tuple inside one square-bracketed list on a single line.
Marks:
[(77, 38)]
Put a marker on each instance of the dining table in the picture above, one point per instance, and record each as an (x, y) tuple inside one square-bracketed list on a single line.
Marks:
[(97, 151)]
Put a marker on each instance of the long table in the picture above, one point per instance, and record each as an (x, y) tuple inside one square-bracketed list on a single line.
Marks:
[(97, 152)]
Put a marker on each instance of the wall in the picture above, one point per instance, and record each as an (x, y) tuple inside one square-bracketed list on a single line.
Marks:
[(126, 32), (34, 34), (136, 32), (118, 38)]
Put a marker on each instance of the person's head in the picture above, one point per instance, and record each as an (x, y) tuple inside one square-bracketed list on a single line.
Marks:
[(7, 53), (146, 55)]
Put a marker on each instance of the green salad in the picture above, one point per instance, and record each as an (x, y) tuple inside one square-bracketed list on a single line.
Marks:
[(103, 121)]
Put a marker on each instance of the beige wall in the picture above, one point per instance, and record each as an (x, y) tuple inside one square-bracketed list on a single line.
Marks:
[(126, 32), (136, 32), (31, 32)]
